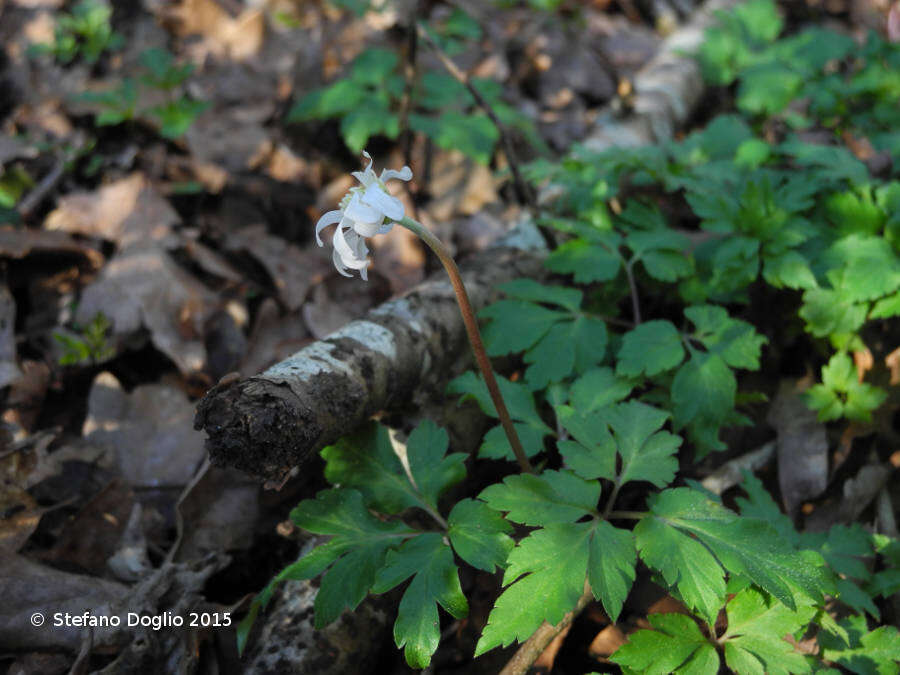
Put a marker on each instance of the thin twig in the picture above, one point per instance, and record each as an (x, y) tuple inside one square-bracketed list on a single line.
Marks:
[(409, 75), (543, 636), (632, 288), (34, 198), (523, 191), (471, 324)]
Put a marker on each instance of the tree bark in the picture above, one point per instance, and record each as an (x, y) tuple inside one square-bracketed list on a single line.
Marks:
[(406, 348)]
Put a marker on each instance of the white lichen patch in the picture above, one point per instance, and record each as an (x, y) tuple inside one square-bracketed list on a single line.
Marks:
[(377, 338), (307, 363)]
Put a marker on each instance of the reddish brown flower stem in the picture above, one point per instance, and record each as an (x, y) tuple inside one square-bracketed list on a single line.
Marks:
[(471, 323)]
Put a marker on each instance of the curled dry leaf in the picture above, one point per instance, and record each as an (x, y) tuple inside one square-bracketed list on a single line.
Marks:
[(21, 242), (150, 431), (802, 448)]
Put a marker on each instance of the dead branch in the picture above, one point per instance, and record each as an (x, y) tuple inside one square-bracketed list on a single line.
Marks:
[(403, 350)]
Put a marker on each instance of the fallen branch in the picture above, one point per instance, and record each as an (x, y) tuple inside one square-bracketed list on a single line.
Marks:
[(402, 350)]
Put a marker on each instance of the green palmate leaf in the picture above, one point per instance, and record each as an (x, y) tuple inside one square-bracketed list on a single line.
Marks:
[(650, 348), (760, 505), (429, 561), (519, 401), (598, 388), (704, 388), (684, 563), (828, 312), (675, 645), (554, 560), (886, 307), (789, 269), (611, 567), (587, 261), (757, 626), (473, 135), (360, 124), (862, 268), (593, 452), (662, 253), (516, 325), (742, 545), (495, 444), (365, 460), (552, 497), (869, 653), (646, 452), (842, 394), (479, 535), (431, 470), (361, 541), (532, 291), (737, 342)]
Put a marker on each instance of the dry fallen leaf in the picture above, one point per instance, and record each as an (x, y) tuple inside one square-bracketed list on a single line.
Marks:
[(224, 36), (273, 338), (150, 430), (19, 518), (9, 370), (607, 641), (864, 362), (892, 361), (128, 211), (292, 270), (143, 286), (802, 447)]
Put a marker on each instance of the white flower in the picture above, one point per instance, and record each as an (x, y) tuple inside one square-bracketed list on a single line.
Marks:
[(365, 211)]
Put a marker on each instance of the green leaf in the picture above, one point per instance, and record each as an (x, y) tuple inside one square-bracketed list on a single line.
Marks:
[(362, 539), (597, 389), (827, 312), (646, 452), (862, 267), (365, 460), (332, 101), (869, 653), (674, 645), (516, 325), (473, 135), (886, 308), (479, 535), (429, 561), (662, 253), (842, 394), (495, 444), (552, 497), (571, 344), (372, 119), (611, 567), (684, 563), (551, 587), (650, 348), (519, 399), (431, 470), (373, 66), (586, 261), (789, 269), (737, 342), (703, 389), (757, 626), (745, 546), (532, 291)]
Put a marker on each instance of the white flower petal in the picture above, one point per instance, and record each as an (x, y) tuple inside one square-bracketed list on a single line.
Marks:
[(327, 219), (359, 212), (348, 257), (367, 229), (337, 263), (384, 229), (366, 176), (377, 198), (388, 174)]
